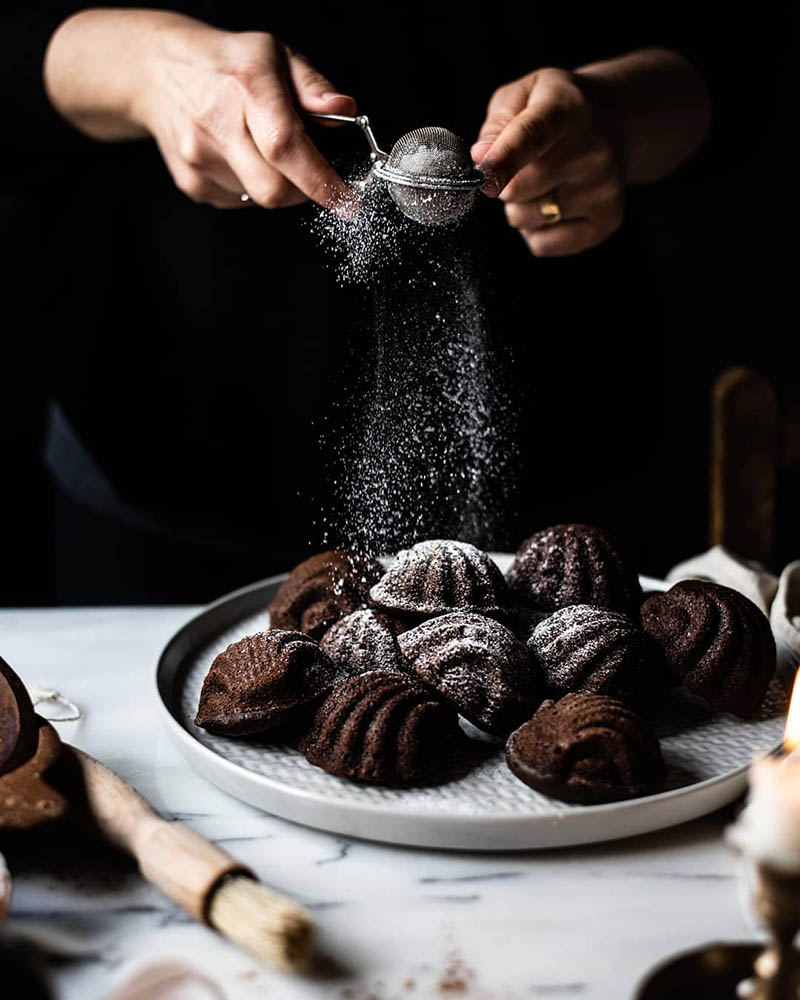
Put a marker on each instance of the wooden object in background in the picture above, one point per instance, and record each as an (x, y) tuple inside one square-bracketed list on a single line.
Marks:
[(744, 464)]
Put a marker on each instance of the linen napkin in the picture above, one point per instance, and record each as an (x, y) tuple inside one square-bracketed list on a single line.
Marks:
[(778, 597)]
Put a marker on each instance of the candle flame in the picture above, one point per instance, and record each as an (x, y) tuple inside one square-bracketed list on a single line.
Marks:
[(791, 734)]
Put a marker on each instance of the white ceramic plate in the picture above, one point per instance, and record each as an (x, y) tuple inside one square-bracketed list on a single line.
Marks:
[(707, 758)]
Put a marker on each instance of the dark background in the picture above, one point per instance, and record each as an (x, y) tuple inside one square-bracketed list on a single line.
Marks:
[(196, 352)]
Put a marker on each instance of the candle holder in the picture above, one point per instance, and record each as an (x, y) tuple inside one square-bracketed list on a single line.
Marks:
[(723, 971), (777, 968)]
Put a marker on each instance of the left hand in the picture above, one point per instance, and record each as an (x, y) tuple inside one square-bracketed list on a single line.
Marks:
[(543, 141)]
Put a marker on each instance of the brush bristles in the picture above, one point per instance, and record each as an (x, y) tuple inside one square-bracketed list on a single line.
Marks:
[(270, 925)]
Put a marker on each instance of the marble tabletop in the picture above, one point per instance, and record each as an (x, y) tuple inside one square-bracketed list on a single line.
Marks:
[(394, 923)]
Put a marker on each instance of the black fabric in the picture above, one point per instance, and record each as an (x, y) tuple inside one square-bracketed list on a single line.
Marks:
[(197, 353)]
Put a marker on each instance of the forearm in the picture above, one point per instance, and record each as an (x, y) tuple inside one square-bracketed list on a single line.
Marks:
[(97, 63), (657, 107)]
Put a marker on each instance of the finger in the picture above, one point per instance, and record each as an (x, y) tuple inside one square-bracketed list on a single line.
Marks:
[(222, 175), (527, 119), (530, 135), (575, 202), (204, 191), (266, 186), (315, 92), (199, 185), (602, 204), (538, 178), (505, 104), (528, 214), (565, 238), (281, 139), (568, 162)]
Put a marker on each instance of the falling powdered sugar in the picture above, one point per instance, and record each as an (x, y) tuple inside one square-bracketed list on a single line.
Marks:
[(424, 446)]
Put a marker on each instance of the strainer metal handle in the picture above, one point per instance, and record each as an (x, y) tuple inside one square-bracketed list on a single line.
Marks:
[(376, 153)]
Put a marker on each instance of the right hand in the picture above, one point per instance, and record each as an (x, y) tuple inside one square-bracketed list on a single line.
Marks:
[(223, 107)]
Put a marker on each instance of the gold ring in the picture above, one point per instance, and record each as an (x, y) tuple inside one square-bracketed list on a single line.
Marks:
[(550, 210)]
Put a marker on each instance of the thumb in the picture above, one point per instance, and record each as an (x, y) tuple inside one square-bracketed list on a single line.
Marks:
[(519, 128), (314, 91), (505, 104)]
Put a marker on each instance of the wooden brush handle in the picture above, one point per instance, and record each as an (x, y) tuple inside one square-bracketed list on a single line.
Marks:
[(180, 862)]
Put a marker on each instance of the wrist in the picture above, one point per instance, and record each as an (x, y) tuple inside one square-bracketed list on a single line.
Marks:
[(101, 69), (654, 107)]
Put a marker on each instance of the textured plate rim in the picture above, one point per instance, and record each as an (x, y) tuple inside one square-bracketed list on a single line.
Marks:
[(191, 749)]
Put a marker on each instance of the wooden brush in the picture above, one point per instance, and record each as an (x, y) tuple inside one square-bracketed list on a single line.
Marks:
[(206, 881), (42, 780)]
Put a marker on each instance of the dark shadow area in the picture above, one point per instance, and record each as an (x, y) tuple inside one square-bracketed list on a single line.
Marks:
[(169, 369)]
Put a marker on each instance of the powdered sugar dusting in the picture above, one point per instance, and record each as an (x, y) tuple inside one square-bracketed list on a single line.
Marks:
[(478, 665), (584, 648), (438, 575), (361, 642), (424, 446)]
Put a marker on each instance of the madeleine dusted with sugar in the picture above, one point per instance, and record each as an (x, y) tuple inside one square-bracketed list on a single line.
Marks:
[(385, 728), (586, 748), (574, 564), (583, 648), (322, 589), (263, 681), (363, 641), (437, 576), (716, 641), (477, 665)]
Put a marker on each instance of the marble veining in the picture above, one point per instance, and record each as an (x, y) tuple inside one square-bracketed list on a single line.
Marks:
[(394, 923)]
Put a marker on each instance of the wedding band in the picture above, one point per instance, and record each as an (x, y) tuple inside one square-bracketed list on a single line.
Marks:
[(244, 196), (550, 210)]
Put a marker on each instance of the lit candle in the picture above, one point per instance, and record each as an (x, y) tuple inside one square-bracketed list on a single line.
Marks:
[(791, 732), (768, 828)]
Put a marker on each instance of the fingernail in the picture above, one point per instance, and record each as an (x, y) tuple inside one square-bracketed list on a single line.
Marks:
[(329, 95), (492, 184), (481, 147)]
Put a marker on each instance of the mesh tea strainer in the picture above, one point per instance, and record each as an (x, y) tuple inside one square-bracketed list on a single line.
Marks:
[(429, 172)]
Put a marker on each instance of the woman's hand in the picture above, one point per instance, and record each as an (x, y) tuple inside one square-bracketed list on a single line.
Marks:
[(542, 142), (223, 107), (559, 143)]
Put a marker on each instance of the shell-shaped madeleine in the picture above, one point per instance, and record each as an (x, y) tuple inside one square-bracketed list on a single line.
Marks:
[(716, 641), (437, 576), (476, 664), (385, 728), (583, 648), (573, 564), (263, 681), (363, 641), (322, 589), (586, 748)]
